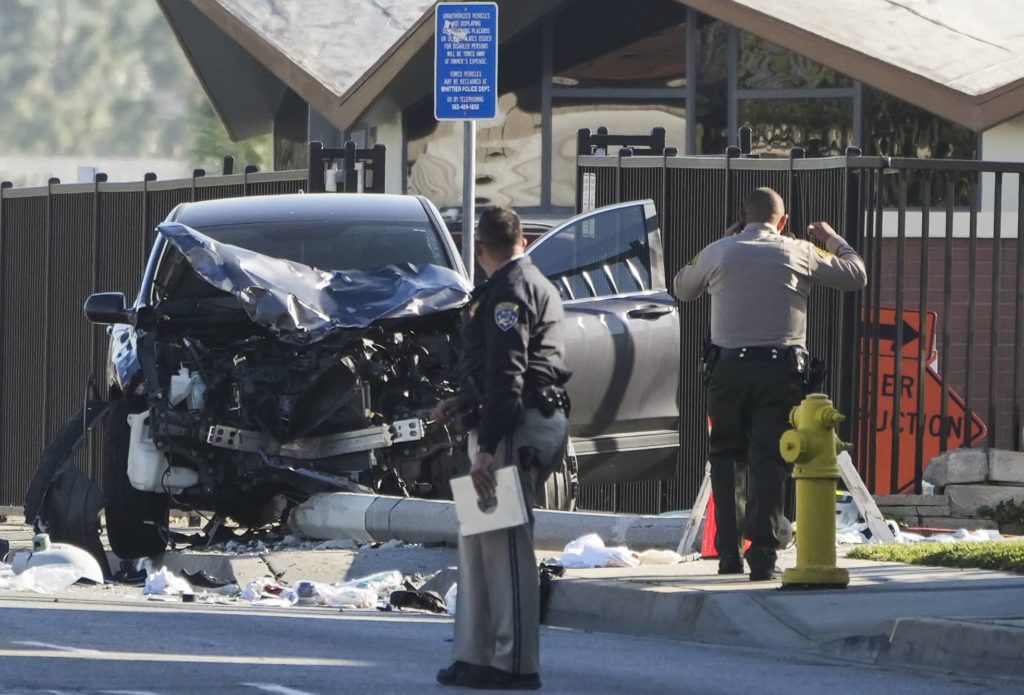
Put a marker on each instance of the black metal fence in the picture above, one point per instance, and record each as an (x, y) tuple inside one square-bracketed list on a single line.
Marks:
[(61, 242), (927, 255)]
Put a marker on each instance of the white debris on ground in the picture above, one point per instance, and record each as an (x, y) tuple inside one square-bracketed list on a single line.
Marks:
[(590, 551), (857, 534), (163, 582), (290, 542)]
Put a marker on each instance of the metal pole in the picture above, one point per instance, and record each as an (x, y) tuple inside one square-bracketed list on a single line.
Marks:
[(468, 195)]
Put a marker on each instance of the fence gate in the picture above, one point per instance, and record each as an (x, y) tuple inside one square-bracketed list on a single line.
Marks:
[(944, 286)]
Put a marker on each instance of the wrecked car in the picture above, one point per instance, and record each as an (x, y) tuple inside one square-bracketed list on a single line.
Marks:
[(285, 345)]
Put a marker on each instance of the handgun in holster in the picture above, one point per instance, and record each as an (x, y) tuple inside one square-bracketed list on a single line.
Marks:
[(708, 359)]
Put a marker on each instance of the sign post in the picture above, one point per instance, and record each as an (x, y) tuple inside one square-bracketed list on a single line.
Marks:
[(466, 88)]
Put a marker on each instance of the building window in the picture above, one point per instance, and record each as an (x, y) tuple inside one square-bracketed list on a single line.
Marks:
[(764, 65), (823, 127), (894, 128), (633, 117), (508, 155)]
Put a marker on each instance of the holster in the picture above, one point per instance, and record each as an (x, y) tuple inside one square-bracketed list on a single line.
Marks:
[(708, 359)]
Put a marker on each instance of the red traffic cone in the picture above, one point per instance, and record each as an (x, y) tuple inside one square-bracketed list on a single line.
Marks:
[(707, 544)]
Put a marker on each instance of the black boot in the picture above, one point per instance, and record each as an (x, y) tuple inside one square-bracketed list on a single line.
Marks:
[(762, 564), (730, 565)]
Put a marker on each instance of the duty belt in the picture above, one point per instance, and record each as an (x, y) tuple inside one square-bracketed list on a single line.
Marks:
[(548, 399), (758, 353)]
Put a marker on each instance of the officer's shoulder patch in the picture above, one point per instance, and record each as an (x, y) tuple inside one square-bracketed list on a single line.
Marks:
[(506, 314), (821, 252)]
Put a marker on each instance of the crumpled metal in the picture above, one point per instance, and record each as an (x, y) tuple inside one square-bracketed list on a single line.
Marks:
[(301, 304)]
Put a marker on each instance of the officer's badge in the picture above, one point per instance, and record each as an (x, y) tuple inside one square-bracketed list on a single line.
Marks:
[(822, 252), (506, 314)]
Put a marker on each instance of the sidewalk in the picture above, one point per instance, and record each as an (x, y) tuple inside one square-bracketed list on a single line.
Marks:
[(905, 616), (965, 621)]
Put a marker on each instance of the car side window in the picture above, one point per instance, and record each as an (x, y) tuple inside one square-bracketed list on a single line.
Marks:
[(598, 256)]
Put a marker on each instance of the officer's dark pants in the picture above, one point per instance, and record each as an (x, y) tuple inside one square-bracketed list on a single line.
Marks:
[(749, 404), (497, 614)]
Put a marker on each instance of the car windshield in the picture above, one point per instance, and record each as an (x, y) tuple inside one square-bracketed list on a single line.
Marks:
[(331, 245)]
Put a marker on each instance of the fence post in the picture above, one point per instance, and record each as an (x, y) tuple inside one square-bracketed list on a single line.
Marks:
[(97, 211), (4, 474), (850, 330), (47, 260), (196, 174), (351, 176), (315, 168), (731, 153), (228, 167)]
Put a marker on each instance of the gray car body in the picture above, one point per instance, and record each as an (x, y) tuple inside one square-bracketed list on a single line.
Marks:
[(623, 348)]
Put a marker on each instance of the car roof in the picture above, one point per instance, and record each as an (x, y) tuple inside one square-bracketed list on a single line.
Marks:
[(300, 207)]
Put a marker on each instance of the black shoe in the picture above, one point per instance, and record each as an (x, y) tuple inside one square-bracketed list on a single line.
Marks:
[(450, 675), (762, 564), (730, 565), (490, 678)]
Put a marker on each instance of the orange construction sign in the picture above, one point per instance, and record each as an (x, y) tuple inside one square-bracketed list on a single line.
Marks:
[(924, 418)]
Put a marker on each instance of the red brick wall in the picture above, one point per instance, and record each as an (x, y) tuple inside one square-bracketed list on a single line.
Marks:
[(988, 356)]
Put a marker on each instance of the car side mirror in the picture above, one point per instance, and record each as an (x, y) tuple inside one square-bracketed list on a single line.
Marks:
[(107, 308)]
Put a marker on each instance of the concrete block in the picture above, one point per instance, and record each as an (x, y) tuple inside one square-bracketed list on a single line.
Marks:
[(907, 513), (954, 523), (1006, 467), (964, 500), (958, 466)]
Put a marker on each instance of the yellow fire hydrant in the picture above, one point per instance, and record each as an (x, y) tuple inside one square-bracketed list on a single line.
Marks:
[(813, 446)]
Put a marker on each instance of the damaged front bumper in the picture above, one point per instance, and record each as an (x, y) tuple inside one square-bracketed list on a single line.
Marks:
[(312, 448)]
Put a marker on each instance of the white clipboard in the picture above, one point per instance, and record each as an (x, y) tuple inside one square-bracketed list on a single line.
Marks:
[(508, 512)]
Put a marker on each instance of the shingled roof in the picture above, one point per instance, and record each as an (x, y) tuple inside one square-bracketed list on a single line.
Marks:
[(961, 60)]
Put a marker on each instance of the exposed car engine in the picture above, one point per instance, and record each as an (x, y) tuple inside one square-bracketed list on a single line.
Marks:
[(347, 412)]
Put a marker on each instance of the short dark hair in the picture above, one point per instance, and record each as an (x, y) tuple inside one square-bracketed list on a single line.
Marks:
[(499, 229), (764, 205)]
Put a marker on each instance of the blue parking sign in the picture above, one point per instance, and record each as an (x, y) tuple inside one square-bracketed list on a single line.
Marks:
[(465, 61)]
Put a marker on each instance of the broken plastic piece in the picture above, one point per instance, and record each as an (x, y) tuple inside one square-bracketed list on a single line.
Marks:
[(82, 564)]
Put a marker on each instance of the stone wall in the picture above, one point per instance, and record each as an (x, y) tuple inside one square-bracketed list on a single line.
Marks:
[(964, 480)]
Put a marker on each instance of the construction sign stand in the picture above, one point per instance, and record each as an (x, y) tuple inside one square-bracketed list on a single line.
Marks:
[(704, 505)]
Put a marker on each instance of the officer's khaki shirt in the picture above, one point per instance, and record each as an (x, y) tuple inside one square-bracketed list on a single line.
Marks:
[(759, 281)]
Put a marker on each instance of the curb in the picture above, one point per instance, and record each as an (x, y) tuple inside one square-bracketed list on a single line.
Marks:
[(650, 610), (980, 648), (370, 517)]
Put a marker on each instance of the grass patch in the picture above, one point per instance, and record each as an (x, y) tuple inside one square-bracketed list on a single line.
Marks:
[(1007, 556)]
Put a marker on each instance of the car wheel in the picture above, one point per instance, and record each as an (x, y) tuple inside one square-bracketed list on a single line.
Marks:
[(559, 493), (137, 521)]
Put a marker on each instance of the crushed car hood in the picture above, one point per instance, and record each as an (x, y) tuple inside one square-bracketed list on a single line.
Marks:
[(302, 304)]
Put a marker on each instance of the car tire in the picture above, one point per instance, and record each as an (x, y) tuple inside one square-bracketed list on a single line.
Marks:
[(559, 492), (137, 521)]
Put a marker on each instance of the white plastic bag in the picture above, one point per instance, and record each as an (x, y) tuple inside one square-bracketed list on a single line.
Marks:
[(590, 551), (341, 596), (163, 582)]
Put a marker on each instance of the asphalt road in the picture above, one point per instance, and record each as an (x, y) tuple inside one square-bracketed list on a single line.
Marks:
[(135, 647)]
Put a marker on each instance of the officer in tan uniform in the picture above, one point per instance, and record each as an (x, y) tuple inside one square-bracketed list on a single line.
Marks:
[(511, 376), (757, 362)]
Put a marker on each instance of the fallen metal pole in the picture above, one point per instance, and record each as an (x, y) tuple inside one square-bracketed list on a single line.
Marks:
[(362, 518)]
